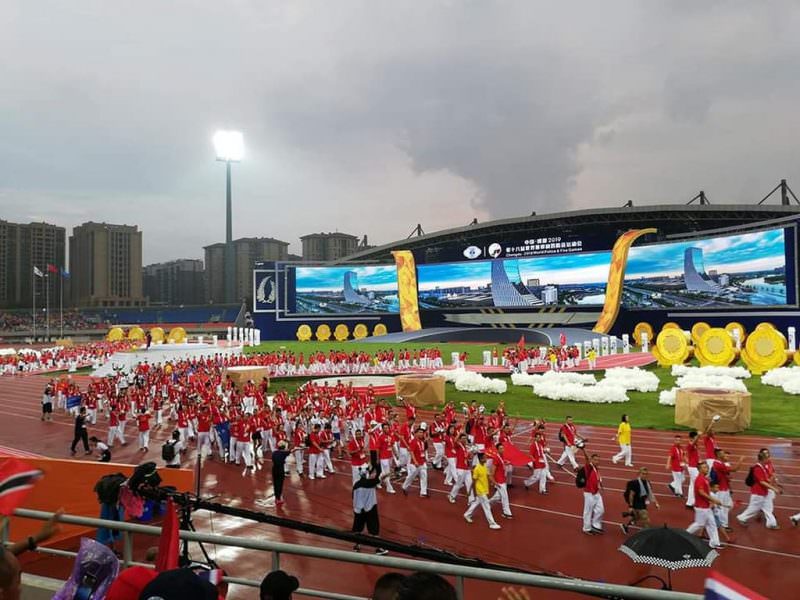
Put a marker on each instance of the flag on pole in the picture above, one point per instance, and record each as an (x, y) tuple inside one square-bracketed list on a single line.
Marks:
[(168, 544), (521, 343), (65, 273), (52, 268), (719, 587), (37, 272), (17, 478)]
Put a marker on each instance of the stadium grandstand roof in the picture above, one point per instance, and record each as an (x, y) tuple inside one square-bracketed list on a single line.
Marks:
[(670, 219)]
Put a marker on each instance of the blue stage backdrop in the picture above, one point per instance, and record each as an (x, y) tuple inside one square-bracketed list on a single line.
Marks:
[(749, 277)]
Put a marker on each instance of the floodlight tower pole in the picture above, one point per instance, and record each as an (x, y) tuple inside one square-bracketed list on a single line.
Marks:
[(230, 263)]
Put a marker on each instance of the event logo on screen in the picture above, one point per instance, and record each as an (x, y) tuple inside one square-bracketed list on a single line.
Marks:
[(265, 291)]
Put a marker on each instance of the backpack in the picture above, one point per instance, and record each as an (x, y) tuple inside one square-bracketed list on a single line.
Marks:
[(168, 451), (580, 478), (750, 480), (713, 478), (107, 488)]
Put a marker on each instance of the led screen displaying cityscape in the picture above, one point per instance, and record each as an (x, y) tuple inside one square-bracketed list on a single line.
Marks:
[(346, 290), (737, 270)]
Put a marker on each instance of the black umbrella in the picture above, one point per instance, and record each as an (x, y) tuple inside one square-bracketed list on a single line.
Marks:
[(669, 548)]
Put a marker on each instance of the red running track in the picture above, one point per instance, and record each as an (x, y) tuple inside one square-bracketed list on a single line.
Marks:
[(545, 534)]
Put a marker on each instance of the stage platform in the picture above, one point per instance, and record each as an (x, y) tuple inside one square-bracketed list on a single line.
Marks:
[(162, 353), (534, 336)]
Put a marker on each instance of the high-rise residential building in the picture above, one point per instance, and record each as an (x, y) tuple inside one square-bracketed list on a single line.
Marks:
[(246, 252), (106, 265), (322, 247), (175, 282), (23, 247)]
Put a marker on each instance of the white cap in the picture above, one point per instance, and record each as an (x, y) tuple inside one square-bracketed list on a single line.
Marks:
[(423, 426)]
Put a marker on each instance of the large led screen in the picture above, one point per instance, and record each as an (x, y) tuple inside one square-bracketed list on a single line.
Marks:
[(346, 290), (721, 272), (729, 271), (515, 282)]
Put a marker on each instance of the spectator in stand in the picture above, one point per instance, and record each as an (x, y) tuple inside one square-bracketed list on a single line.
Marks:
[(179, 584), (10, 571), (387, 586), (426, 586), (278, 585)]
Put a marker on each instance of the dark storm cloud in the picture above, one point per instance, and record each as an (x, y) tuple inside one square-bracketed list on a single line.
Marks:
[(370, 117)]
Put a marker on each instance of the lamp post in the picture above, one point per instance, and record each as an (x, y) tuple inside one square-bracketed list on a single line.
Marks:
[(229, 146)]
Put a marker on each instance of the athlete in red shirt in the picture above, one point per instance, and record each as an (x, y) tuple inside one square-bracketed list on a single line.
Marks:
[(593, 508), (703, 517), (418, 465), (143, 423), (675, 462), (498, 477), (761, 492)]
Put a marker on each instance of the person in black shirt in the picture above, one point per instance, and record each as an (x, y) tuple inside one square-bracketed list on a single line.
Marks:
[(278, 470), (81, 435), (638, 494)]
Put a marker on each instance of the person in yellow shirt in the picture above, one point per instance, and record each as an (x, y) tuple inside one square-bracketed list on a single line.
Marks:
[(623, 437), (480, 484)]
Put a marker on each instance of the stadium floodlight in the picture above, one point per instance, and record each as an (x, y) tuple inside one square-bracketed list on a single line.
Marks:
[(229, 146)]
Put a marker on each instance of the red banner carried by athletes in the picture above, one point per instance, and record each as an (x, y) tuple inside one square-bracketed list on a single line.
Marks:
[(17, 478), (515, 456)]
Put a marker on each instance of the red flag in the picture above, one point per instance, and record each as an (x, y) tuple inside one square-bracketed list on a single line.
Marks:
[(169, 542), (17, 478), (52, 268), (515, 456), (521, 343)]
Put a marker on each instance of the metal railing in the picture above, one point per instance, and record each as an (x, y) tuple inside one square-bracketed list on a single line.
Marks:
[(277, 549)]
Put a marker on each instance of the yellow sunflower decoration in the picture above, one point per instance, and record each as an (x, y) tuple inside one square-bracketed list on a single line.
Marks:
[(341, 333), (764, 349), (715, 348), (115, 334), (323, 333), (360, 331), (304, 333), (672, 347)]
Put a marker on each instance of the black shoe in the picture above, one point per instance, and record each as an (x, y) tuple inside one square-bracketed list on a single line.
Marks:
[(357, 548), (596, 530), (625, 527), (688, 507)]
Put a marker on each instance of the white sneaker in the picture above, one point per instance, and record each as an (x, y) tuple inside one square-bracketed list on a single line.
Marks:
[(451, 500), (468, 519), (390, 492), (494, 526), (614, 460)]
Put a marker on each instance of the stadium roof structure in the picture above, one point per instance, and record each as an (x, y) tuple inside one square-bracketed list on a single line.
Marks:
[(671, 220)]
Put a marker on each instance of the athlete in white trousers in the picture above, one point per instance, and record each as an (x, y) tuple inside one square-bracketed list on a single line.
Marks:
[(762, 494), (498, 477), (703, 515), (593, 507), (480, 486)]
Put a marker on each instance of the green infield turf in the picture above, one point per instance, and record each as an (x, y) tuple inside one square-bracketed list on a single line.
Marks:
[(774, 412)]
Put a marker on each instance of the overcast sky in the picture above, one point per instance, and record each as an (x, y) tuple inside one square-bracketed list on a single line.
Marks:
[(372, 116)]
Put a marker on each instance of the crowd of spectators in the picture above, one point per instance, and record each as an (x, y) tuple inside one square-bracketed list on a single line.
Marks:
[(23, 321)]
